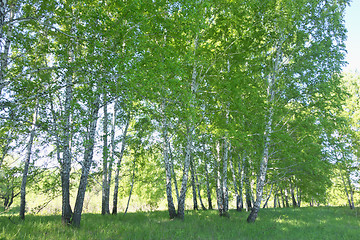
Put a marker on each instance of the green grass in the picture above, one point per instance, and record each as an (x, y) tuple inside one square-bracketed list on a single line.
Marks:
[(301, 223)]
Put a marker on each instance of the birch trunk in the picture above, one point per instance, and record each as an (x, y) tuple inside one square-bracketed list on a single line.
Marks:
[(105, 183), (224, 176), (173, 176), (208, 190), (188, 153), (292, 191), (247, 185), (219, 183), (113, 149), (235, 185), (199, 192), (66, 162), (86, 164), (26, 165), (260, 184), (168, 169), (189, 140), (193, 185), (241, 187), (7, 42), (349, 198), (132, 185), (267, 199), (118, 165)]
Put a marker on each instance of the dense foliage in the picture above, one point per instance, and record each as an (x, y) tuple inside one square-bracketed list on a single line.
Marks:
[(177, 98)]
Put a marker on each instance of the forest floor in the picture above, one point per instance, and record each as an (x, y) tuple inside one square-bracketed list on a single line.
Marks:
[(290, 223)]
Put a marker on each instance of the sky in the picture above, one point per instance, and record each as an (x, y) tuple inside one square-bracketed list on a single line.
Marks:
[(352, 23)]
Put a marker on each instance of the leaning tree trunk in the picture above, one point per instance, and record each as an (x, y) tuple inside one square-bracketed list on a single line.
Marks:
[(267, 199), (86, 164), (351, 190), (168, 169), (193, 185), (260, 184), (189, 140), (292, 192), (188, 153), (132, 185), (199, 192), (118, 165), (173, 175), (349, 198), (105, 183), (26, 165)]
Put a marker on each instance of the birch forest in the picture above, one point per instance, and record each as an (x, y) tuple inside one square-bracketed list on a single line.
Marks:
[(180, 104)]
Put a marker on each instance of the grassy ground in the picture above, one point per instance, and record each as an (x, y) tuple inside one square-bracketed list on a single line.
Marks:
[(301, 223)]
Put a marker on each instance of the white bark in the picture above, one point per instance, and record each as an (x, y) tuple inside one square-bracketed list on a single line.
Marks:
[(26, 165)]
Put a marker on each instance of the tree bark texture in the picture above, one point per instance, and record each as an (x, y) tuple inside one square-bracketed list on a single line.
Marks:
[(118, 165), (260, 184), (188, 153), (193, 185), (7, 42), (86, 164), (66, 161), (168, 171), (208, 190), (26, 165), (105, 183), (132, 186), (199, 192)]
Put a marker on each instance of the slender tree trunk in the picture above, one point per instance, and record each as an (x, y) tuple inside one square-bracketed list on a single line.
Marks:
[(189, 139), (292, 191), (188, 153), (173, 172), (267, 199), (247, 185), (351, 190), (298, 197), (224, 176), (193, 185), (132, 186), (86, 164), (286, 198), (168, 169), (349, 198), (238, 207), (63, 146), (26, 165), (241, 187), (208, 190), (275, 197), (199, 192), (113, 149), (219, 183), (118, 165), (268, 130), (105, 188), (66, 162), (6, 41)]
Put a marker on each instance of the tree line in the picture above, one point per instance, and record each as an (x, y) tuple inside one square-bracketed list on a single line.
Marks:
[(217, 94)]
